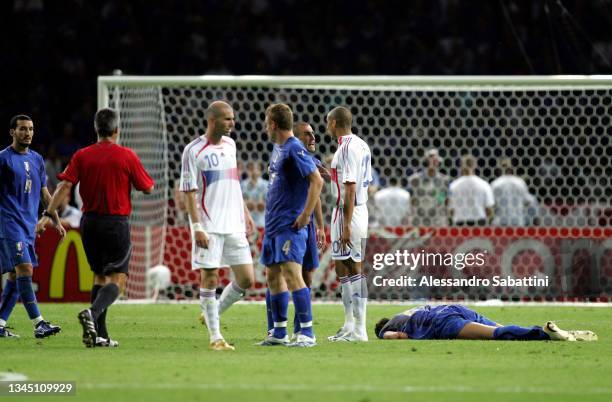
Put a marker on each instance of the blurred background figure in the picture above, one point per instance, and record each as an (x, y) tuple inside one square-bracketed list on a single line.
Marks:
[(69, 215), (254, 191), (429, 189), (392, 205), (512, 197), (470, 199)]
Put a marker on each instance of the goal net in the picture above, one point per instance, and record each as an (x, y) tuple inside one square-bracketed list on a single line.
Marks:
[(554, 133)]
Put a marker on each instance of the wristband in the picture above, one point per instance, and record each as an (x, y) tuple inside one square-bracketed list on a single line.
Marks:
[(48, 214), (197, 227)]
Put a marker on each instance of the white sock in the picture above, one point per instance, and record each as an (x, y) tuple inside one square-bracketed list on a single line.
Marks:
[(345, 287), (210, 308), (36, 320), (231, 294), (2, 323), (359, 299)]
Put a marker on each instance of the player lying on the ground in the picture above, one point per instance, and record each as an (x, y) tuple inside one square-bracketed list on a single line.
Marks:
[(459, 322)]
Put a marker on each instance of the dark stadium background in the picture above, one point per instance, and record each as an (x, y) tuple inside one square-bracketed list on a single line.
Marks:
[(53, 51)]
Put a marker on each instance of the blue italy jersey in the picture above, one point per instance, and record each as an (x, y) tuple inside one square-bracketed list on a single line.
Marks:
[(417, 323), (434, 322), (21, 178), (290, 164)]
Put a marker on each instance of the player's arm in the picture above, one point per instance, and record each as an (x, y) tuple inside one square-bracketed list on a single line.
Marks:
[(248, 221), (324, 173), (347, 213), (319, 224), (51, 204), (201, 238), (395, 335), (314, 192)]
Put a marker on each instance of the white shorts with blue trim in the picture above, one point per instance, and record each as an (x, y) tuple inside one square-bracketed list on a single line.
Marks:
[(224, 250), (359, 233)]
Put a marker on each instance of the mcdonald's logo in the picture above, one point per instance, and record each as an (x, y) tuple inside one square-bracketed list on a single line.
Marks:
[(58, 267)]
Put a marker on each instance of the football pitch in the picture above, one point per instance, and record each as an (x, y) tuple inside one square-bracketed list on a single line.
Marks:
[(164, 356)]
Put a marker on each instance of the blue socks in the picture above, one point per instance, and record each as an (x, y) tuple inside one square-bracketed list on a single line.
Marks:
[(28, 298), (516, 333), (269, 311), (9, 299), (301, 301), (279, 304)]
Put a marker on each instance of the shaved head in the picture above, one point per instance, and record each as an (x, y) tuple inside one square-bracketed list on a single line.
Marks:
[(342, 116), (216, 109), (304, 132), (299, 127)]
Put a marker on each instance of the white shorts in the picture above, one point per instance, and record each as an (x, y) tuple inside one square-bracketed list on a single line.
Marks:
[(223, 250), (359, 232)]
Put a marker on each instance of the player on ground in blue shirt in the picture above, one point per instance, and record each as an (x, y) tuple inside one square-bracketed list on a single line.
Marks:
[(459, 322), (293, 190), (22, 183)]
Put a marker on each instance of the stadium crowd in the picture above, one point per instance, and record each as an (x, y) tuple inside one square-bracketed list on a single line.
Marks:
[(59, 56)]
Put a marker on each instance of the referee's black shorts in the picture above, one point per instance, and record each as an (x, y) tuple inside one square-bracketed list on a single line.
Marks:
[(106, 239)]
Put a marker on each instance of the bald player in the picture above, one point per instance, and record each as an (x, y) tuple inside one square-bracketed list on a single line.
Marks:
[(219, 220), (351, 173)]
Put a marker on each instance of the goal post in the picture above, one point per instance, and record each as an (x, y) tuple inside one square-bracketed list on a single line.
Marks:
[(555, 130)]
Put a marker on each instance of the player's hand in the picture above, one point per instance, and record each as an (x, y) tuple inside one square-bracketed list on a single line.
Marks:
[(324, 173), (60, 230), (321, 238), (42, 225), (249, 225), (301, 221), (345, 239), (201, 239)]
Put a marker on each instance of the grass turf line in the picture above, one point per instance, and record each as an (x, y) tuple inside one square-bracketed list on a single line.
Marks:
[(163, 355)]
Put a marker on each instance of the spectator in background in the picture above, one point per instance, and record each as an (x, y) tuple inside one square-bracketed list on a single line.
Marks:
[(393, 205), (180, 206), (429, 193), (53, 166), (512, 197), (67, 145), (254, 190), (69, 215), (470, 198)]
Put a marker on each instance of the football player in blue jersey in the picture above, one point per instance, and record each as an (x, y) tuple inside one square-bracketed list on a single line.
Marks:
[(316, 232), (293, 191), (23, 185), (459, 322)]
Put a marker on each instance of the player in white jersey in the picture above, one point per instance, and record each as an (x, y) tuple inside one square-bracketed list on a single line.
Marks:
[(351, 173), (218, 217)]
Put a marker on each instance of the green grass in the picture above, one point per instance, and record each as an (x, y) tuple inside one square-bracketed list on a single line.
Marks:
[(164, 356)]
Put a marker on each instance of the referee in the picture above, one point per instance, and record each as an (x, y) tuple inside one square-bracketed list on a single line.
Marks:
[(107, 172)]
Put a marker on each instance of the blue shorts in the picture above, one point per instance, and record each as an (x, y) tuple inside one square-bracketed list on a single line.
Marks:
[(13, 253), (451, 321), (284, 246), (311, 257)]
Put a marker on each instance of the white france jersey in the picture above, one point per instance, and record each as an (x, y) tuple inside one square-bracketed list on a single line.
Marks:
[(351, 164), (212, 171)]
